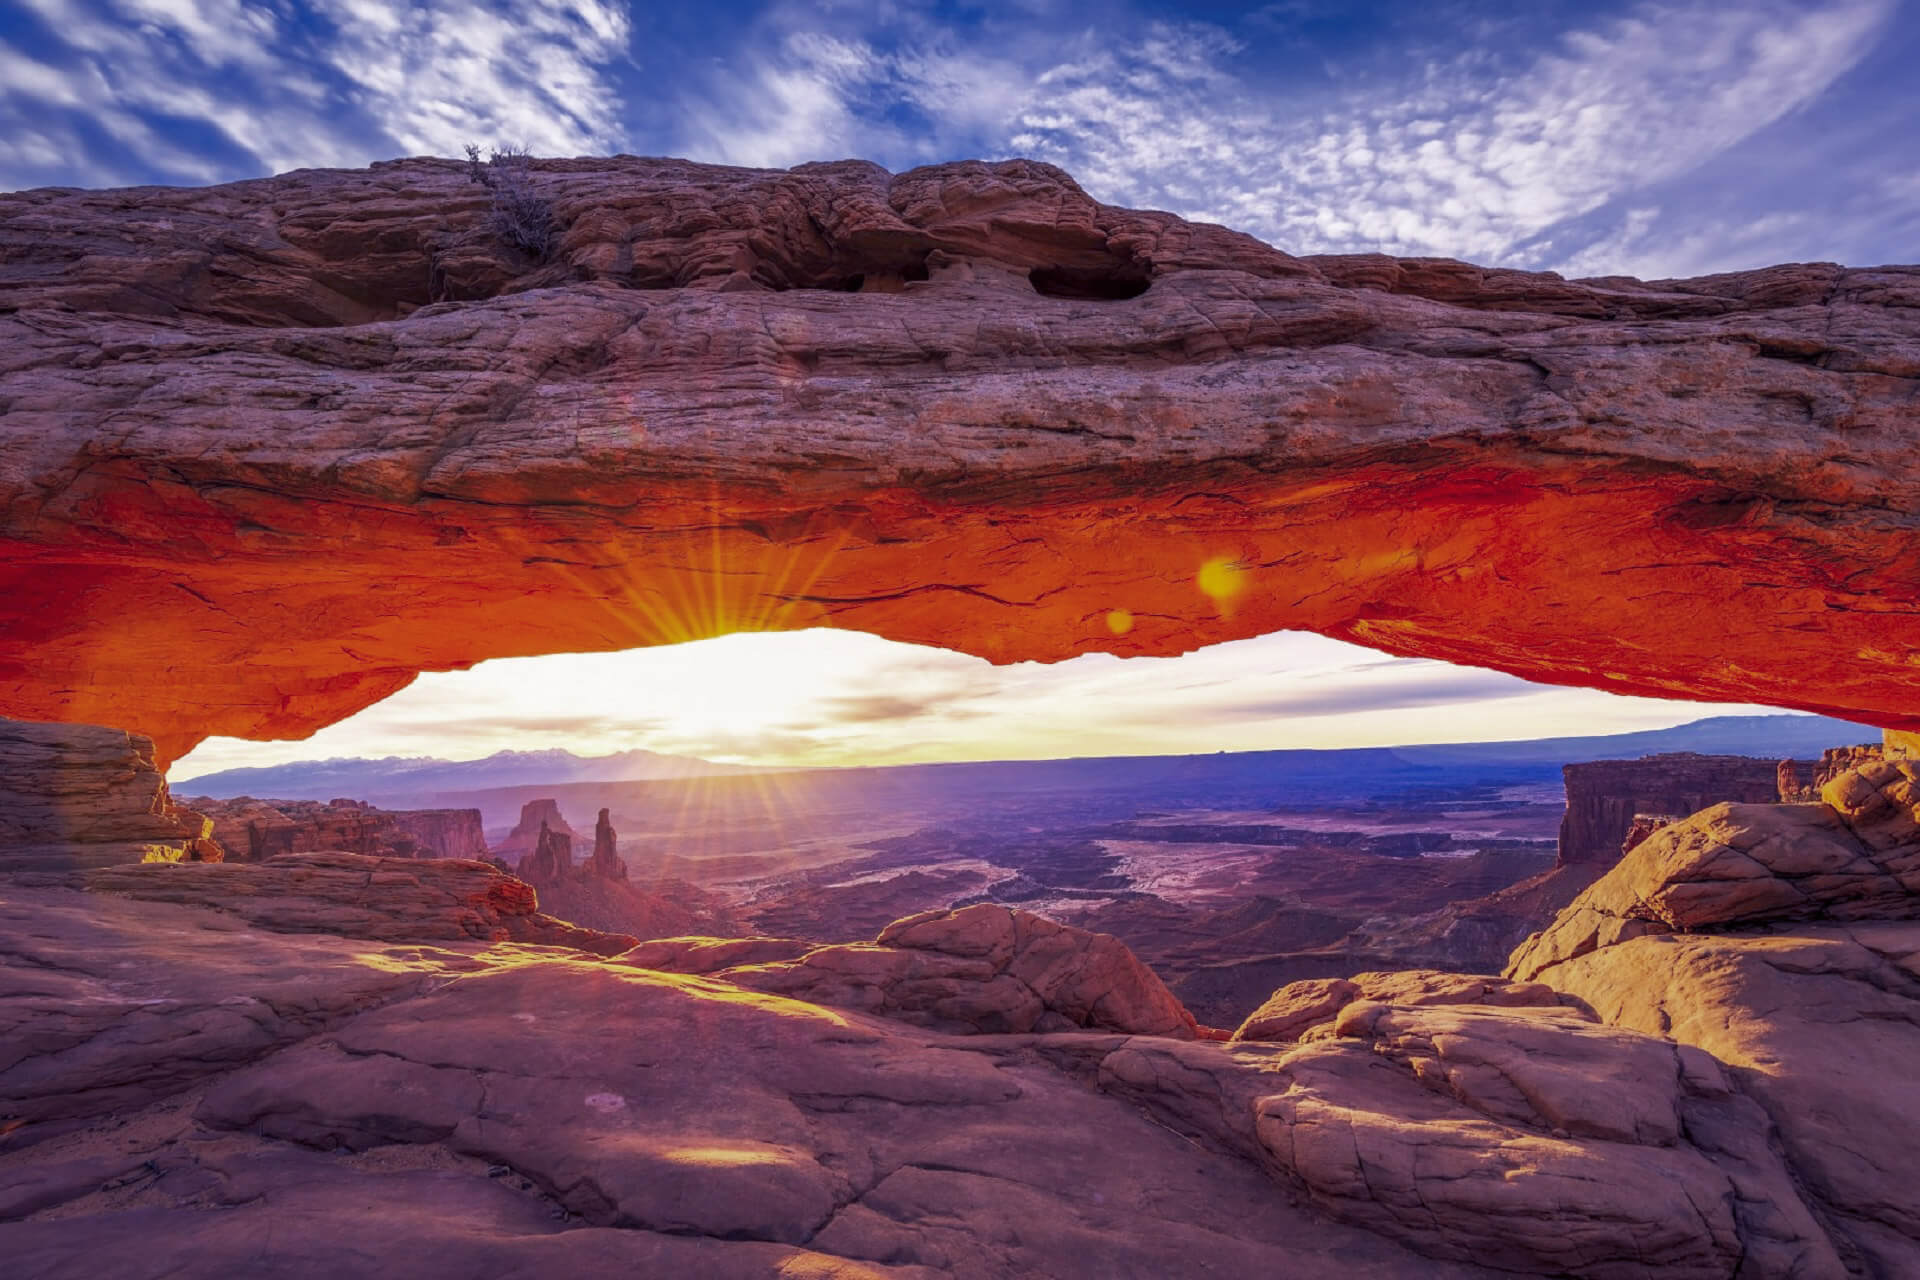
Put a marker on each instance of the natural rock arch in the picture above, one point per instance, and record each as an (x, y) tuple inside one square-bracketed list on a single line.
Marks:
[(268, 450)]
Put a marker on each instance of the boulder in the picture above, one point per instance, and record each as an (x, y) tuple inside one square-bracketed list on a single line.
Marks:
[(982, 968)]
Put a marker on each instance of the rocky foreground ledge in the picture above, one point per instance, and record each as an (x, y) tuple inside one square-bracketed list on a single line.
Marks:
[(1699, 1070), (268, 449)]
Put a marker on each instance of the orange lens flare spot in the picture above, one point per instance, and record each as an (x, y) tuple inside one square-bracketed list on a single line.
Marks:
[(1120, 621), (1221, 579)]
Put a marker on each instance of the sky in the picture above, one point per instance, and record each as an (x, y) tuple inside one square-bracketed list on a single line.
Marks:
[(1655, 138)]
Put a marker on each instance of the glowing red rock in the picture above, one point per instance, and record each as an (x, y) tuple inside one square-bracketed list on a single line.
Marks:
[(270, 449)]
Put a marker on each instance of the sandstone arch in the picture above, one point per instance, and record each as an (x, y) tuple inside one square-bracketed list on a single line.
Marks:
[(267, 450)]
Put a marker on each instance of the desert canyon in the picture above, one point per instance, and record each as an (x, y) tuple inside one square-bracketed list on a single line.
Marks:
[(271, 449)]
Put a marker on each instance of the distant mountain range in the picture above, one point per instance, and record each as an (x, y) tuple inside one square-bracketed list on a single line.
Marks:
[(409, 776), (1773, 737), (400, 781)]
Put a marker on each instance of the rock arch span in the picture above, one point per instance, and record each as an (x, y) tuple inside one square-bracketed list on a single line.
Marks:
[(268, 450)]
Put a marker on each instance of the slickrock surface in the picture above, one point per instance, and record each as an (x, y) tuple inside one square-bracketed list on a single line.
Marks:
[(710, 955), (1783, 941), (363, 423), (1300, 1007), (80, 795), (388, 899), (1730, 1103), (513, 1111), (982, 968)]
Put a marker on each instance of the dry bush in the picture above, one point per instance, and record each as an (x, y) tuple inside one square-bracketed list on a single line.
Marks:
[(521, 215)]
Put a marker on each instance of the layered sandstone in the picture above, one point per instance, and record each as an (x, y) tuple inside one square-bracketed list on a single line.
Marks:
[(605, 860), (1300, 1008), (983, 968), (385, 899), (965, 405), (1604, 797), (1781, 940), (254, 830), (77, 795), (536, 816)]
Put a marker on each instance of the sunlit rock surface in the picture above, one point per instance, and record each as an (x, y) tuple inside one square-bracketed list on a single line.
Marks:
[(271, 448), (1699, 1071), (388, 899), (981, 968), (1785, 941), (511, 1110)]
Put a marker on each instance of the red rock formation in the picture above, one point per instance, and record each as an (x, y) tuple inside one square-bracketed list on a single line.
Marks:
[(354, 402), (983, 968), (535, 815), (254, 830), (1310, 1006), (551, 860), (444, 833), (606, 861), (1604, 796), (411, 900), (77, 795)]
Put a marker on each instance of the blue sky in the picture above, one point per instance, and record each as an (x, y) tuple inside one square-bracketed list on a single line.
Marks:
[(1678, 136), (1671, 137)]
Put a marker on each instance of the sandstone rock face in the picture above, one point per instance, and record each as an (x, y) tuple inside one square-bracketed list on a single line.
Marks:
[(444, 833), (254, 830), (1302, 1007), (536, 816), (1743, 865), (386, 899), (1604, 796), (606, 861), (982, 968), (75, 796), (1781, 940), (356, 403), (1833, 762), (551, 859), (1534, 1140)]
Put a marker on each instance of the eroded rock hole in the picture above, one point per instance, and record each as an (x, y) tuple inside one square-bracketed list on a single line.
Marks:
[(1103, 284)]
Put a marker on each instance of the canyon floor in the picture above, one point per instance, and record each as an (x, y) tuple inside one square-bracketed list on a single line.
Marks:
[(336, 1064)]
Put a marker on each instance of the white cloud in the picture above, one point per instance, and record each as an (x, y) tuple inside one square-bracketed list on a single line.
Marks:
[(1457, 164), (1469, 155), (376, 77), (441, 74), (865, 700)]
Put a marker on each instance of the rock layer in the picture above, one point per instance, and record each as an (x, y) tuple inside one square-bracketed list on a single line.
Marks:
[(982, 968), (386, 899), (1604, 797), (77, 795), (253, 830), (934, 405), (1782, 940)]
